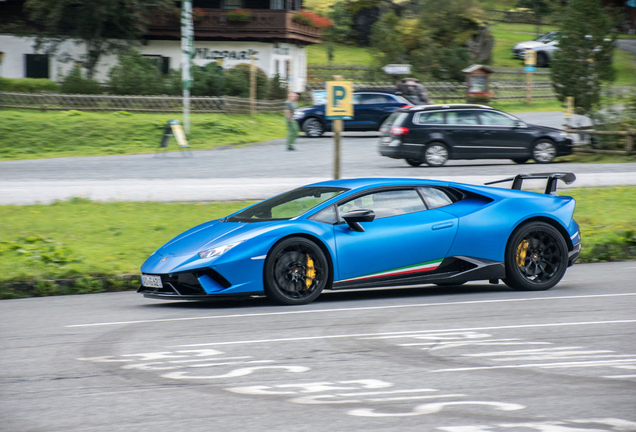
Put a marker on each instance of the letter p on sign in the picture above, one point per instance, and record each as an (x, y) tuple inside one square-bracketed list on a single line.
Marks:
[(339, 100)]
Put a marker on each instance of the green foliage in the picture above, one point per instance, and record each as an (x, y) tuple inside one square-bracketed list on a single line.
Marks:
[(80, 133), (76, 83), (135, 75), (237, 82), (584, 58), (28, 85), (110, 27), (277, 88)]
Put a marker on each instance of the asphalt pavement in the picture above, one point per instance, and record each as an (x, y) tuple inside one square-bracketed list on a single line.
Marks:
[(260, 170)]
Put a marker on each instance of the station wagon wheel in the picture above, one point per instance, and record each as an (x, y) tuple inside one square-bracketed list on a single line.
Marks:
[(542, 59), (296, 272), (536, 257), (544, 151), (520, 160), (414, 162), (313, 127), (436, 154)]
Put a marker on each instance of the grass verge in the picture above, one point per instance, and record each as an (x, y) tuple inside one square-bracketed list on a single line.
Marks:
[(80, 246), (35, 135)]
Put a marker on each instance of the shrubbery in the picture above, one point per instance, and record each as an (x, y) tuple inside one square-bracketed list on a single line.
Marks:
[(76, 83), (135, 75), (29, 85)]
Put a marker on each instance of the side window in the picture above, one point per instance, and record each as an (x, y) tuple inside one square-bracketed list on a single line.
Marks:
[(466, 118), (436, 198), (326, 215), (386, 203), (356, 99), (496, 119), (430, 118), (369, 99)]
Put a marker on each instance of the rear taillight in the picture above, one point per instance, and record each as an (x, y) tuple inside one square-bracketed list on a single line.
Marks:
[(406, 106), (399, 130)]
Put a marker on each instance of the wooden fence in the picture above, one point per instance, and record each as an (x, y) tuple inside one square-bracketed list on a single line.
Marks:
[(629, 135), (167, 104)]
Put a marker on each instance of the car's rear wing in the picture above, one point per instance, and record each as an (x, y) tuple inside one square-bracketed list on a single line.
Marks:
[(551, 186)]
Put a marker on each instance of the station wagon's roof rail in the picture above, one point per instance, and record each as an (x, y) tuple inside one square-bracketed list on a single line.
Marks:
[(550, 188), (450, 106)]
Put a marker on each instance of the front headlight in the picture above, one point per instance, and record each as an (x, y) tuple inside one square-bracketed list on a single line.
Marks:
[(211, 253)]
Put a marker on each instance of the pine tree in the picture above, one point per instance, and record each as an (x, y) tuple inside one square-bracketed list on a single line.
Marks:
[(584, 58)]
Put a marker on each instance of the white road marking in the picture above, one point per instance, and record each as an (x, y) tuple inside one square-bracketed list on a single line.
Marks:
[(404, 306), (593, 363)]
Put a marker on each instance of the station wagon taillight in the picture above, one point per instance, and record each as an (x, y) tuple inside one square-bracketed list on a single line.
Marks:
[(397, 130)]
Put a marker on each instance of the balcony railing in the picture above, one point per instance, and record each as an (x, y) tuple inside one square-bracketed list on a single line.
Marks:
[(264, 24)]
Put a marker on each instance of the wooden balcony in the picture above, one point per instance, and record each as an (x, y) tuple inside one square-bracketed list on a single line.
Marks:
[(265, 26)]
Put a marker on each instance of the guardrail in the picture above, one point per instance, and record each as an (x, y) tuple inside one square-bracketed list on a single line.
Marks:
[(63, 102)]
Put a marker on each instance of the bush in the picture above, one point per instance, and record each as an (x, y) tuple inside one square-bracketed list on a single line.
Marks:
[(75, 83), (277, 88), (237, 82), (29, 85), (135, 75)]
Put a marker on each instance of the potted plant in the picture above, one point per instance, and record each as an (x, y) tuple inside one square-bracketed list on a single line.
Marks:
[(239, 15), (198, 13)]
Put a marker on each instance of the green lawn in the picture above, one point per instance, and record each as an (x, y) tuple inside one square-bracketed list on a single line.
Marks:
[(34, 134), (343, 55), (80, 238)]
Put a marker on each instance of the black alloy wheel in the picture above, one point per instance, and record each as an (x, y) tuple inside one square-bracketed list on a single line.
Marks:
[(414, 162), (536, 257), (296, 272), (313, 127), (435, 154), (544, 151)]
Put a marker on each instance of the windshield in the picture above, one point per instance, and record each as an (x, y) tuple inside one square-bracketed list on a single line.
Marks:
[(548, 37), (287, 205)]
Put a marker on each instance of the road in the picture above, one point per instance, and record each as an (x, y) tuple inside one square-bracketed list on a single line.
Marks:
[(257, 171), (475, 358)]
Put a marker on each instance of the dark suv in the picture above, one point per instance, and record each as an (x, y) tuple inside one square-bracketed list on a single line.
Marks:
[(433, 134), (370, 109)]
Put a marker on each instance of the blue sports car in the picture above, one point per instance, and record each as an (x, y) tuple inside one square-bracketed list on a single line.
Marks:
[(362, 233)]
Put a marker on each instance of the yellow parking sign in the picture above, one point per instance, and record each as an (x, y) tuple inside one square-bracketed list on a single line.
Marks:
[(339, 100)]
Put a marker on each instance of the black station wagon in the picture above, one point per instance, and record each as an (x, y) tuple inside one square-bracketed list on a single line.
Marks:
[(433, 134)]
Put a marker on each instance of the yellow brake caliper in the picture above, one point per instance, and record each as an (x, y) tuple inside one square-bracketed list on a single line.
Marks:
[(522, 250), (310, 273)]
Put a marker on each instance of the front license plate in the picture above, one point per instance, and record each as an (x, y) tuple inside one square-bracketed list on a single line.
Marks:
[(151, 281)]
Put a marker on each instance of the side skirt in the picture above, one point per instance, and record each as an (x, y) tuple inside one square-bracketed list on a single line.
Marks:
[(451, 270)]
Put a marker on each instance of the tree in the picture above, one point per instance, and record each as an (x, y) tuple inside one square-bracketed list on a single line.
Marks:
[(104, 27), (584, 58)]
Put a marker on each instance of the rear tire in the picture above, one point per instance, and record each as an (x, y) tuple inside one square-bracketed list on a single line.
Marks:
[(436, 154), (296, 271), (544, 151), (536, 257)]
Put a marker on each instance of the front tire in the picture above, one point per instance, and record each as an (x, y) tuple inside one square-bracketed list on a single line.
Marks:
[(435, 154), (544, 151), (542, 59), (414, 162), (296, 272), (313, 127), (536, 257), (520, 160)]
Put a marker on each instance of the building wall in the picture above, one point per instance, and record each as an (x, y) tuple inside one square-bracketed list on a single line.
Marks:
[(269, 56)]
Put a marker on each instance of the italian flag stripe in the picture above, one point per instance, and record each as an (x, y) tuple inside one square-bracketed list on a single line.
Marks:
[(416, 268)]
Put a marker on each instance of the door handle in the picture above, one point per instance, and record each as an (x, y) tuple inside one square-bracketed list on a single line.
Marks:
[(444, 225)]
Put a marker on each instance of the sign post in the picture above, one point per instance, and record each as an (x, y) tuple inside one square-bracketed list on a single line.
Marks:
[(531, 62), (569, 109), (339, 107), (252, 86), (187, 53)]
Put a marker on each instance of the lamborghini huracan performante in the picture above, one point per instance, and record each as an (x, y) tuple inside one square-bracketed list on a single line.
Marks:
[(368, 233)]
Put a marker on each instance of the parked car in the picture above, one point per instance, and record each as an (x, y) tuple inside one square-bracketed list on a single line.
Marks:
[(433, 134), (370, 109), (370, 233), (544, 46)]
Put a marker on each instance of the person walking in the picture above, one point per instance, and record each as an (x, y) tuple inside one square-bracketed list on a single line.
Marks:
[(292, 125)]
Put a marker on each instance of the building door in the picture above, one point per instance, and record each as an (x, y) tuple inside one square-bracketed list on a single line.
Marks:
[(37, 66)]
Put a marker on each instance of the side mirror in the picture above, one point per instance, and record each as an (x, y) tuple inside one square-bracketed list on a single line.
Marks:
[(520, 124), (354, 217)]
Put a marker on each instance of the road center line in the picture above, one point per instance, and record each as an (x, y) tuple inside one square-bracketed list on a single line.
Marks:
[(295, 312)]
